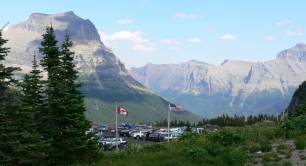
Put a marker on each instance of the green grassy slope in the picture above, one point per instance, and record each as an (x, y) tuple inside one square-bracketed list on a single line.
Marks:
[(150, 109), (237, 146)]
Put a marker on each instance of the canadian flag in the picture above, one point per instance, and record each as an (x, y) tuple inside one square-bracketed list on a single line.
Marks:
[(122, 111)]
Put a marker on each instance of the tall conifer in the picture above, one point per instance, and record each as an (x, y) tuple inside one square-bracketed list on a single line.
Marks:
[(9, 137)]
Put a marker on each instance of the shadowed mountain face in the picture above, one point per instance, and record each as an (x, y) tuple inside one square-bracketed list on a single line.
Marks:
[(106, 82), (297, 105), (234, 87)]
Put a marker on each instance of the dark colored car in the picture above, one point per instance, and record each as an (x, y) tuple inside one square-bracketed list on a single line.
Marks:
[(155, 137)]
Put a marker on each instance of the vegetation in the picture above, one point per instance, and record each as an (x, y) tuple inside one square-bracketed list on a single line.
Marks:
[(43, 123), (228, 146), (226, 120), (222, 121), (298, 103)]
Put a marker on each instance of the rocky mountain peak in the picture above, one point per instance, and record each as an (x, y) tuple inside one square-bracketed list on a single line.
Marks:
[(79, 29), (298, 52), (69, 14)]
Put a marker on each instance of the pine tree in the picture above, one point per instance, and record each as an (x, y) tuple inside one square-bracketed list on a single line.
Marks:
[(53, 90), (8, 127), (31, 118), (33, 97), (65, 104), (51, 64), (76, 143)]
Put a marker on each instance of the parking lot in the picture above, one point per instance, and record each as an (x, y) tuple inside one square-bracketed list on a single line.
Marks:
[(138, 134)]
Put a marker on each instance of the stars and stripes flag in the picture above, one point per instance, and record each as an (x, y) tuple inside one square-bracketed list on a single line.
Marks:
[(122, 111), (176, 109)]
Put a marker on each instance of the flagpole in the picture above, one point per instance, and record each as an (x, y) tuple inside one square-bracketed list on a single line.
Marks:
[(168, 122), (116, 126)]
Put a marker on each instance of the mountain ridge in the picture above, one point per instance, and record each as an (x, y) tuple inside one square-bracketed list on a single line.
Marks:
[(236, 84)]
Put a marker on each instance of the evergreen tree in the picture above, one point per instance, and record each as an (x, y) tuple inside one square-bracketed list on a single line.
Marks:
[(33, 97), (8, 126), (31, 118), (54, 108), (75, 142), (65, 106)]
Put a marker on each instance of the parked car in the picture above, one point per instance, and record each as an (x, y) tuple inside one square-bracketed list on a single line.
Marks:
[(139, 134), (110, 143), (170, 136), (124, 132), (155, 137)]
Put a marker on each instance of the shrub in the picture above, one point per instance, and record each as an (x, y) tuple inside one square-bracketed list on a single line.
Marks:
[(254, 147), (287, 163), (265, 146), (270, 157), (196, 154), (300, 142), (233, 157), (294, 125), (227, 137), (214, 148), (284, 150)]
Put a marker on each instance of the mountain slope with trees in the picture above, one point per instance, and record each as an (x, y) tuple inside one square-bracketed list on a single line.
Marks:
[(297, 105), (105, 80)]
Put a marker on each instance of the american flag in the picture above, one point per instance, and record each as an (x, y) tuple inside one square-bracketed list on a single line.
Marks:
[(176, 109)]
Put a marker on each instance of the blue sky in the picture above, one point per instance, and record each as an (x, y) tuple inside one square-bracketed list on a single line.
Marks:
[(174, 31)]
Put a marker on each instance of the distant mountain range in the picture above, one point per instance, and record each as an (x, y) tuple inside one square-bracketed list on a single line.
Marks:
[(234, 87), (106, 82)]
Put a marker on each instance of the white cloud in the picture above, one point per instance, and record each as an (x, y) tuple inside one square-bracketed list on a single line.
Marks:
[(124, 21), (135, 40), (269, 38), (295, 33), (194, 40), (169, 42), (284, 22), (228, 37), (182, 15)]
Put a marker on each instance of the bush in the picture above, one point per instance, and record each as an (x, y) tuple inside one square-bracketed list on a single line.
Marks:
[(196, 154), (270, 157), (233, 157), (300, 142), (265, 146), (227, 137), (254, 147), (214, 148), (294, 125), (287, 163), (284, 150)]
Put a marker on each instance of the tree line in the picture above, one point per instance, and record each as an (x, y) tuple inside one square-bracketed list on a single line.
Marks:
[(222, 121), (42, 119)]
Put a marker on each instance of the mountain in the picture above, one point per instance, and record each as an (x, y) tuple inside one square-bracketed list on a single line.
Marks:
[(234, 87), (106, 82), (298, 102)]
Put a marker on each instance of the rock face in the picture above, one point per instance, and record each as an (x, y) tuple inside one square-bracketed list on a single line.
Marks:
[(106, 82), (234, 87)]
